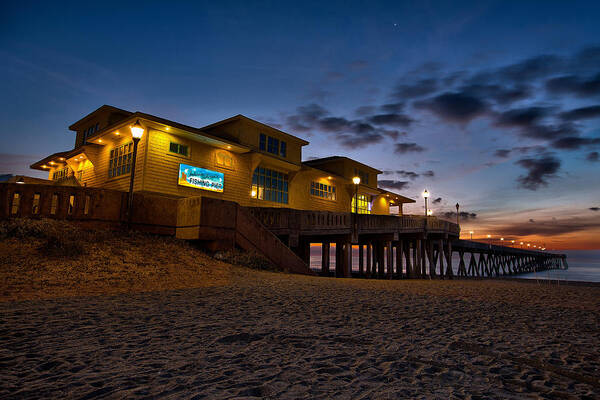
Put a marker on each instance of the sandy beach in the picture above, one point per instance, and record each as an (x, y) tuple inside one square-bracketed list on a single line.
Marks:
[(270, 335)]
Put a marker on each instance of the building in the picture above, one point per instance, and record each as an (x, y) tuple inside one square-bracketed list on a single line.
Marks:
[(237, 159)]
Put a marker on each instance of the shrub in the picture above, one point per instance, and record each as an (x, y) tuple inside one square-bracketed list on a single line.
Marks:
[(246, 259)]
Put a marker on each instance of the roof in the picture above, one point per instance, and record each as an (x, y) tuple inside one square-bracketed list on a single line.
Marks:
[(105, 107), (243, 117), (400, 198), (325, 160)]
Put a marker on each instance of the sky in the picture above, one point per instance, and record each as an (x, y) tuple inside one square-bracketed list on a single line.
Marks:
[(491, 104)]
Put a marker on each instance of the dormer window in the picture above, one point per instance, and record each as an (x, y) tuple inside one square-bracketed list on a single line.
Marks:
[(90, 131), (272, 145)]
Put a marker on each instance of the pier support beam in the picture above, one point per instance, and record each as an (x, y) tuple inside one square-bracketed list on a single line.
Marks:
[(325, 261)]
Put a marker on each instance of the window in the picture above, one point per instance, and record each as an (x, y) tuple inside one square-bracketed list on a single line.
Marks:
[(283, 149), (71, 205), (272, 145), (322, 190), (54, 204), (270, 185), (364, 204), (177, 148), (263, 142), (15, 203), (86, 207), (224, 159), (364, 176), (120, 160), (60, 174), (35, 207)]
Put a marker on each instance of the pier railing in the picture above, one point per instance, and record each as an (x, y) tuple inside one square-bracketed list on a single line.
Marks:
[(286, 220)]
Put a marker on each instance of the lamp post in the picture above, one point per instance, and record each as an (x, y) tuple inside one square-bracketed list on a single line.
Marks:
[(457, 207), (429, 213), (521, 243), (489, 240), (137, 131), (471, 232), (425, 196), (356, 181)]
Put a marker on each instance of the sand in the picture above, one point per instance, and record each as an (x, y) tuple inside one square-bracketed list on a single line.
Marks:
[(269, 335)]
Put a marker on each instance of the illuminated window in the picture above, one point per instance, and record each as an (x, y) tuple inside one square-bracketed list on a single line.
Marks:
[(322, 190), (177, 148), (224, 159), (120, 160), (270, 185), (60, 174), (272, 145), (16, 202), (35, 207), (71, 205), (364, 204), (54, 204)]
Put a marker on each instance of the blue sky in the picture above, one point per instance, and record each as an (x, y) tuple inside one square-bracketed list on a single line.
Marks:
[(499, 99)]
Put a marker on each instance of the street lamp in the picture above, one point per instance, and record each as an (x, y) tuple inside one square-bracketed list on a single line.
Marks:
[(489, 240), (425, 196), (502, 241), (356, 181), (457, 206), (429, 213), (137, 131), (521, 243), (471, 232)]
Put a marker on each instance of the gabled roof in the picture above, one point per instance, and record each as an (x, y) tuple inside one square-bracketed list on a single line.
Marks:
[(325, 160), (103, 108), (252, 121), (396, 196)]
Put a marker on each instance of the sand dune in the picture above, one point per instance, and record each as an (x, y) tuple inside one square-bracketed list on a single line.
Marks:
[(266, 335)]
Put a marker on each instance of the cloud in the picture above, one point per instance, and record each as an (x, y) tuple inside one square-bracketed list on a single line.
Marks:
[(364, 110), (574, 142), (437, 201), (551, 227), (533, 68), (392, 107), (539, 170), (428, 174), (502, 153), (574, 85), (498, 93), (349, 133), (522, 117), (391, 119), (401, 148), (465, 216), (418, 89), (454, 106), (531, 220), (393, 184), (595, 208), (581, 113), (593, 156)]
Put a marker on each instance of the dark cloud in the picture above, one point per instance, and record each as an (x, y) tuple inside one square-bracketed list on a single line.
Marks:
[(454, 106), (593, 156), (533, 68), (574, 142), (531, 220), (463, 215), (392, 107), (401, 148), (539, 170), (349, 133), (574, 85), (522, 117), (551, 227), (410, 174), (496, 92), (502, 153), (437, 201), (418, 89), (594, 208), (581, 113), (390, 119), (392, 184), (428, 174), (364, 110)]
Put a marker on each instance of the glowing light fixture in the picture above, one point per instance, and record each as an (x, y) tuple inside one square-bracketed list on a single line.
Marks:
[(471, 233), (137, 130), (429, 212), (21, 181), (356, 180)]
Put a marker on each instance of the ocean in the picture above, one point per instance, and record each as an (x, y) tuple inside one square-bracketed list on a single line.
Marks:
[(584, 265)]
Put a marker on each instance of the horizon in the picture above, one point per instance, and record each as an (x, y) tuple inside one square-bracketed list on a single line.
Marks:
[(493, 106)]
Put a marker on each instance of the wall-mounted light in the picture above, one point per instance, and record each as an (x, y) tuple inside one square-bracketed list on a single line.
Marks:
[(253, 194)]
